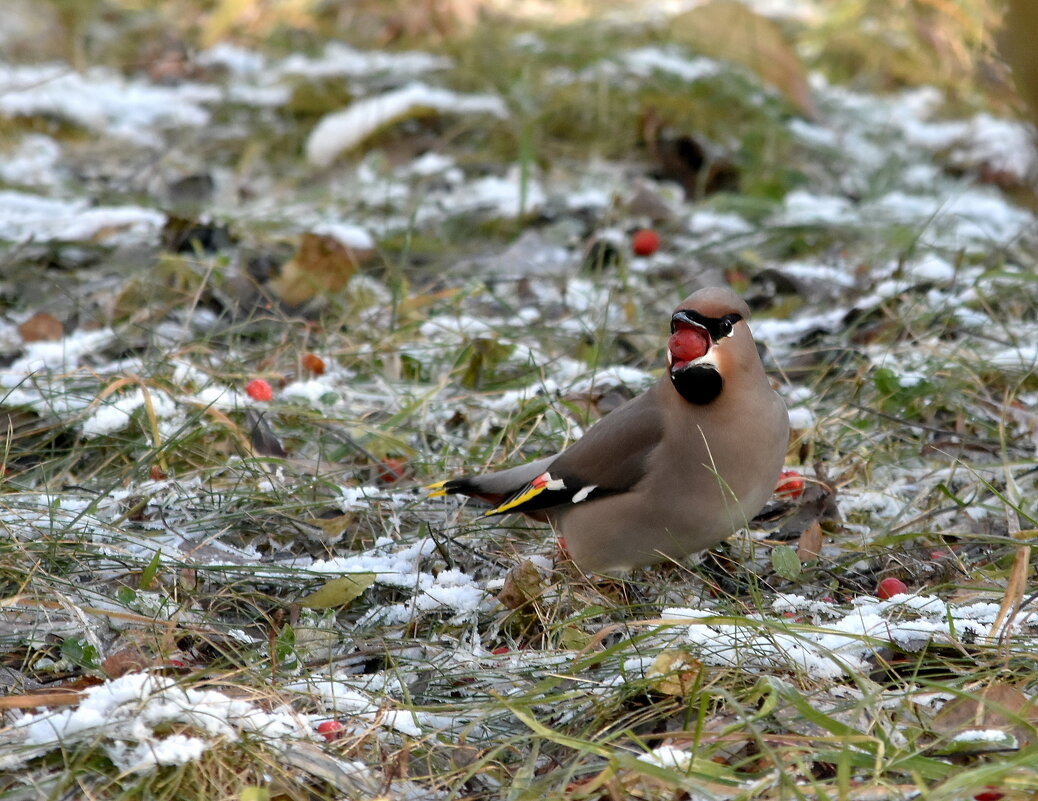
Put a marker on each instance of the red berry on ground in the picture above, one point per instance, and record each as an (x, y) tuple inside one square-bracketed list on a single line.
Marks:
[(392, 469), (259, 389), (989, 793), (313, 363), (790, 485), (500, 650), (330, 730), (890, 587), (645, 242)]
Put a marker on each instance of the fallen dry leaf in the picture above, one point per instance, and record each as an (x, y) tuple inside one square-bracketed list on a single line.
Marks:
[(810, 542), (522, 585), (730, 31), (41, 327), (321, 265), (1000, 707)]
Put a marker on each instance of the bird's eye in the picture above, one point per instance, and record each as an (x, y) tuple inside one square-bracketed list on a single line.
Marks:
[(727, 325)]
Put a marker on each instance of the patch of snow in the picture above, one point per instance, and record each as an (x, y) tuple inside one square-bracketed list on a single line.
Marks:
[(29, 217), (776, 332), (343, 130), (339, 59), (103, 101), (315, 392), (998, 736), (354, 237), (877, 504), (831, 649), (713, 227), (801, 207), (801, 417), (64, 355), (667, 756), (616, 375), (931, 267), (646, 60), (449, 590), (238, 61), (430, 164), (974, 215), (32, 163), (500, 195), (115, 414), (841, 275), (129, 712), (1006, 146)]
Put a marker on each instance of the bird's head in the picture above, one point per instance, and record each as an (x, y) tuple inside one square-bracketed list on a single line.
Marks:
[(709, 339)]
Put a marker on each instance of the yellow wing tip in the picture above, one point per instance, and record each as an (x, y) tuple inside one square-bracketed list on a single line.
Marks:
[(531, 491)]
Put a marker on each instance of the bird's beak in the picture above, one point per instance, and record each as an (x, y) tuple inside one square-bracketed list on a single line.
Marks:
[(690, 342), (682, 318)]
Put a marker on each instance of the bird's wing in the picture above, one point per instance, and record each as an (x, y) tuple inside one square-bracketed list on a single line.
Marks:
[(609, 459)]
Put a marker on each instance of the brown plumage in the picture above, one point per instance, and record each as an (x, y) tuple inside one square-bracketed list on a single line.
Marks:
[(675, 470)]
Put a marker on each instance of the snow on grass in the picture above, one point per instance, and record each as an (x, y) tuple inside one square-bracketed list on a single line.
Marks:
[(354, 237), (843, 643), (339, 59), (115, 413), (63, 355), (132, 716), (345, 129), (394, 566), (646, 60), (30, 217), (505, 195), (33, 162), (103, 101)]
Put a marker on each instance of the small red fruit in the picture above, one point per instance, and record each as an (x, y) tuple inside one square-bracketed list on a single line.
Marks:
[(790, 485), (313, 363), (258, 389), (989, 793), (645, 242), (687, 345), (392, 469), (503, 649), (890, 587), (330, 730)]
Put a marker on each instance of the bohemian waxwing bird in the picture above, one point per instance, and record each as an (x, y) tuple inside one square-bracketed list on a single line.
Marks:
[(675, 470)]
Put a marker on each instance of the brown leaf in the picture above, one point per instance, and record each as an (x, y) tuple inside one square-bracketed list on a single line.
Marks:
[(674, 673), (730, 31), (321, 265), (996, 706), (41, 327), (523, 584), (810, 542), (126, 660)]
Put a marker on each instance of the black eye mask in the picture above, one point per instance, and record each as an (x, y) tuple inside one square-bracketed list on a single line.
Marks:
[(717, 327)]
